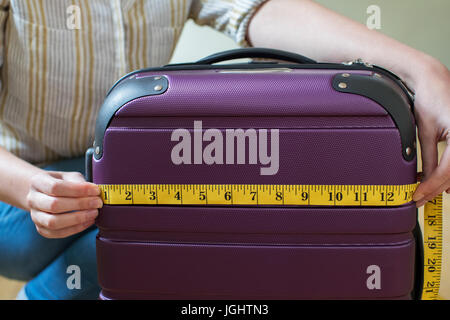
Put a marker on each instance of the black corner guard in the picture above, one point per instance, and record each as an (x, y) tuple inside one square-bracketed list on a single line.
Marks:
[(382, 91), (88, 164), (125, 91)]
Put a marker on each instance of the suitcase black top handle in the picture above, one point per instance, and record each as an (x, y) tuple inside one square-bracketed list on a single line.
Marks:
[(263, 53)]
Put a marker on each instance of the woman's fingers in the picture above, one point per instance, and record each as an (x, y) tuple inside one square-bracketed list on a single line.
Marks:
[(56, 222), (62, 203), (432, 195), (436, 182), (73, 176), (63, 233), (43, 202), (52, 185), (429, 149)]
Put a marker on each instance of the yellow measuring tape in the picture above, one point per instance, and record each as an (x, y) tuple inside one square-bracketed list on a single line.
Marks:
[(305, 195), (432, 239)]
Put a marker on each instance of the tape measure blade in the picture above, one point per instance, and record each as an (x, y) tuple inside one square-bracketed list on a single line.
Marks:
[(432, 238)]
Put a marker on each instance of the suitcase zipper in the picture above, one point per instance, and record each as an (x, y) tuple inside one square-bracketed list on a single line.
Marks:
[(406, 88)]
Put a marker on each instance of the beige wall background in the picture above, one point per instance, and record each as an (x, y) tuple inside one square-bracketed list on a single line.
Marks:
[(424, 25)]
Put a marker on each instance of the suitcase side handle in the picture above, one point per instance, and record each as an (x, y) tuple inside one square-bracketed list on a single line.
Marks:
[(88, 164), (264, 53)]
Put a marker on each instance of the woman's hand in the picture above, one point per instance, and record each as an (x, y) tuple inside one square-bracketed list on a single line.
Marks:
[(432, 111), (62, 203)]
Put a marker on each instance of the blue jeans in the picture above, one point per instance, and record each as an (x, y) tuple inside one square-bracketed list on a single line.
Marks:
[(44, 263)]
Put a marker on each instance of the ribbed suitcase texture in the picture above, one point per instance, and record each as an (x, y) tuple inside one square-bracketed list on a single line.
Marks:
[(326, 136)]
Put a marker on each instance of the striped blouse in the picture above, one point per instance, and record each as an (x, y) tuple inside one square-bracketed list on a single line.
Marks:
[(58, 59)]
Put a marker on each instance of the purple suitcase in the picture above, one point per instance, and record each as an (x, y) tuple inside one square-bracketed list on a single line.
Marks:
[(361, 133)]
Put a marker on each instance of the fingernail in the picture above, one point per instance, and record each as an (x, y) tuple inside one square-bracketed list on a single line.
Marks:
[(94, 191), (417, 196), (420, 203), (97, 203)]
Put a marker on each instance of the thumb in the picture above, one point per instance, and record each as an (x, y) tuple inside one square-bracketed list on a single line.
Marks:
[(437, 181), (77, 177), (429, 155)]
